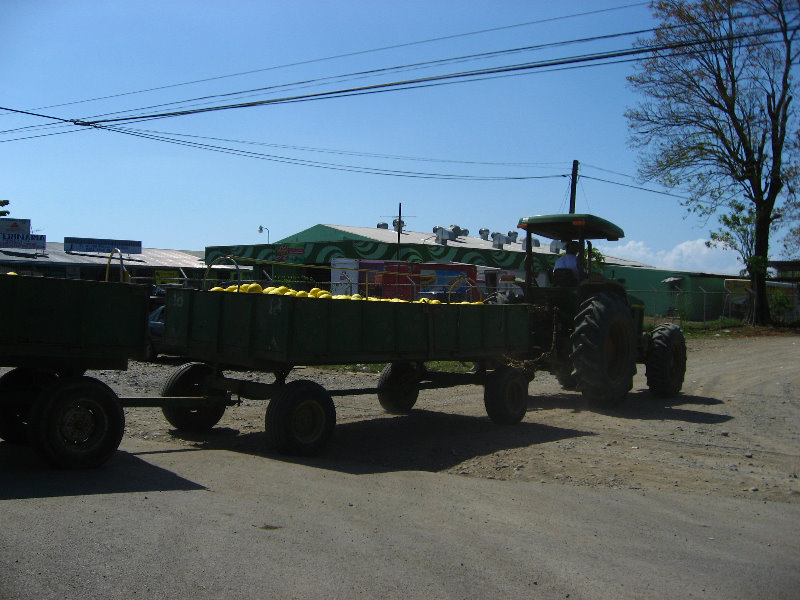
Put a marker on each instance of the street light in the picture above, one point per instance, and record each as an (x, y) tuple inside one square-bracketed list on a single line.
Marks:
[(261, 229)]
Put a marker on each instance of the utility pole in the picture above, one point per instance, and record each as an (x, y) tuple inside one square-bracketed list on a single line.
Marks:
[(399, 226), (573, 187)]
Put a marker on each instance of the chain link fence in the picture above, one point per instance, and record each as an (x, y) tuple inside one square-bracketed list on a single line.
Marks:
[(703, 306)]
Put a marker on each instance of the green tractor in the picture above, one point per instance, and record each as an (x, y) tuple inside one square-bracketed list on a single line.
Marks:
[(589, 330)]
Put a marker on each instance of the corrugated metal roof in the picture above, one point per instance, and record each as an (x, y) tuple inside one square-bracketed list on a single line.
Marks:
[(389, 236), (151, 258)]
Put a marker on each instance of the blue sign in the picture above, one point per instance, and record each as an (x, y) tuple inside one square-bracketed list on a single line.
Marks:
[(30, 241), (74, 244)]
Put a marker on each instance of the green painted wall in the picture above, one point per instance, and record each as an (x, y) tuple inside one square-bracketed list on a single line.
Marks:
[(321, 253), (695, 297)]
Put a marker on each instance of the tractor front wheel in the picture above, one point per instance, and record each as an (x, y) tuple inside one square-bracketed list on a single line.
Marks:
[(666, 361)]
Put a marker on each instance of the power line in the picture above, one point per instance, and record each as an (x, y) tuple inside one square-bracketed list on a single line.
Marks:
[(505, 71), (373, 72), (376, 71), (509, 70), (421, 82), (537, 165), (359, 75), (349, 54), (84, 120), (608, 171), (635, 187), (331, 166)]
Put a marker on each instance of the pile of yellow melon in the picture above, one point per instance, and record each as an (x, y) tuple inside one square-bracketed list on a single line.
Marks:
[(255, 288)]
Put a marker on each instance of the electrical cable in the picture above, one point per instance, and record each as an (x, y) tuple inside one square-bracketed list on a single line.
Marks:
[(409, 84), (332, 166), (635, 187), (420, 82), (588, 166), (404, 67), (361, 74), (351, 54), (537, 165)]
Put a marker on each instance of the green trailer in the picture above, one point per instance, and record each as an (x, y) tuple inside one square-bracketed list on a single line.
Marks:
[(275, 333), (53, 331), (56, 329), (71, 325)]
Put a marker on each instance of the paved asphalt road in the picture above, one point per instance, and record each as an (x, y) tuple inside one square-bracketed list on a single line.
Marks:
[(164, 522)]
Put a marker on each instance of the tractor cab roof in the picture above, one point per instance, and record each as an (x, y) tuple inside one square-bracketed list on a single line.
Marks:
[(571, 227)]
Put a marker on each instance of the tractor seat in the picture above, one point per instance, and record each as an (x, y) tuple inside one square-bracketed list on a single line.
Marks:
[(564, 278)]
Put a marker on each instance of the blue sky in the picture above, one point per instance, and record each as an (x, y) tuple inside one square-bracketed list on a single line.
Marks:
[(90, 182)]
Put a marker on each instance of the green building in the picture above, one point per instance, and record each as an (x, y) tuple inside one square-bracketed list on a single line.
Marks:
[(309, 253)]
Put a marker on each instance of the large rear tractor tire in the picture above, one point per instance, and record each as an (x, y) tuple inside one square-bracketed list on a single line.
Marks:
[(398, 387), (19, 389), (666, 361), (300, 419), (189, 380), (77, 423), (604, 350), (505, 395)]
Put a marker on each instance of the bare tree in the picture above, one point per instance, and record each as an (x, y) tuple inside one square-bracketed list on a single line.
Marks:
[(716, 115)]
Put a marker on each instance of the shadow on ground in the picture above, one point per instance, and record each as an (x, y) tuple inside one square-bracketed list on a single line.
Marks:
[(434, 441), (639, 404), (421, 441), (23, 475)]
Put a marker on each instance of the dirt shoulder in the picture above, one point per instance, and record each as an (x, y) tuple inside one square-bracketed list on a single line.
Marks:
[(733, 432)]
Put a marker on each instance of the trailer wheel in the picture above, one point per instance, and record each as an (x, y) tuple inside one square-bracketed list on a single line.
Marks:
[(398, 387), (666, 361), (189, 380), (505, 395), (603, 350), (77, 423), (300, 419), (19, 390)]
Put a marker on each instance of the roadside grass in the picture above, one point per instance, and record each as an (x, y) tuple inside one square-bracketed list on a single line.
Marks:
[(726, 327)]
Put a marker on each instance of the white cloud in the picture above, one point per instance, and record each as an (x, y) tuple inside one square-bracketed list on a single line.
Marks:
[(691, 255)]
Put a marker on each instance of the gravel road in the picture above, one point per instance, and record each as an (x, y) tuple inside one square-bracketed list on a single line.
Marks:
[(733, 432), (697, 496)]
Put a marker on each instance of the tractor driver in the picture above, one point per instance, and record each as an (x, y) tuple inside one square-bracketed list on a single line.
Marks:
[(570, 259)]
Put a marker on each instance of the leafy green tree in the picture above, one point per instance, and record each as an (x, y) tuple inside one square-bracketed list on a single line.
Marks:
[(717, 120), (791, 244), (737, 233), (598, 259), (4, 213)]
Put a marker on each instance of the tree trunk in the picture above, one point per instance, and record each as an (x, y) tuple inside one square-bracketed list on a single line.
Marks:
[(758, 272)]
